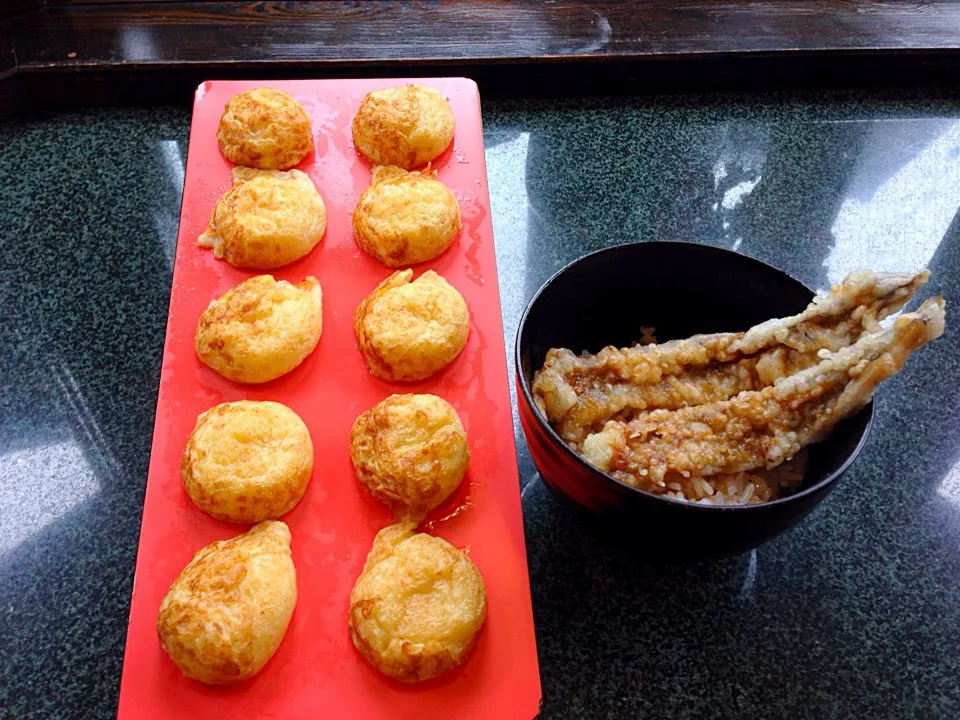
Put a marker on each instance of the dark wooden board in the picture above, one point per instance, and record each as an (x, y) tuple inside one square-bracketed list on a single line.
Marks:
[(71, 52), (222, 33)]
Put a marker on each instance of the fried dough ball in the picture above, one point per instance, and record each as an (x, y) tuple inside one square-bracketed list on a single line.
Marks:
[(410, 330), (410, 452), (260, 329), (405, 218), (224, 616), (247, 461), (264, 128), (418, 605), (405, 126), (269, 218)]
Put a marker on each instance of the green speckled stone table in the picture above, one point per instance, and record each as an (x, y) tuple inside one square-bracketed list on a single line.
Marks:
[(853, 614)]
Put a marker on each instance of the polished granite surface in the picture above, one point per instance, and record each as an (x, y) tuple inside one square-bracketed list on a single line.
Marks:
[(855, 613)]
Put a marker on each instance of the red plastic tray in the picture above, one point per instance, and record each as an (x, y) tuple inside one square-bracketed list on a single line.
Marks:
[(317, 673)]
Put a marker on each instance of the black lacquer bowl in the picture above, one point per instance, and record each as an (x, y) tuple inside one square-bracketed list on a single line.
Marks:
[(680, 289)]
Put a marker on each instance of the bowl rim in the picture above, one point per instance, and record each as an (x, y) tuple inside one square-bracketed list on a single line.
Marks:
[(694, 506)]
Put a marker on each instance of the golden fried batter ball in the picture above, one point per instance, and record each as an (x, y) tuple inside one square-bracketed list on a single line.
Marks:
[(264, 128), (269, 218), (405, 218), (405, 126), (410, 330), (418, 605), (260, 329), (410, 452), (247, 461), (226, 613)]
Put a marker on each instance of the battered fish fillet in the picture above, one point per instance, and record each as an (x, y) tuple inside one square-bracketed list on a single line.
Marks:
[(760, 428), (579, 393)]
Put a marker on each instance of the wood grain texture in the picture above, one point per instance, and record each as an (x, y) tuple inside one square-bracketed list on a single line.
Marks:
[(219, 34), (118, 51)]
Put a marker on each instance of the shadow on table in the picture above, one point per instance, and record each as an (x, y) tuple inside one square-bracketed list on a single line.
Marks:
[(89, 224)]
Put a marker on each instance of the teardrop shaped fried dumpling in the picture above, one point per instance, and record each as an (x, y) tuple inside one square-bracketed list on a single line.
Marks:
[(405, 126), (405, 218), (261, 328), (267, 219), (224, 616), (410, 452), (264, 128), (247, 461), (418, 605), (409, 331)]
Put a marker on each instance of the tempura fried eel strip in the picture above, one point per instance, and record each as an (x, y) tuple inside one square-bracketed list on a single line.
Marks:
[(761, 428), (579, 407)]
